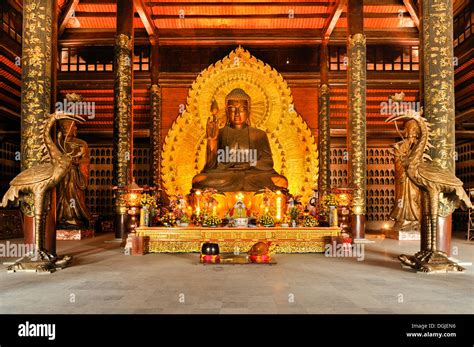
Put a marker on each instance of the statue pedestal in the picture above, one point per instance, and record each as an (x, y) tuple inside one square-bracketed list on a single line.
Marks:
[(409, 235), (191, 239), (74, 234), (241, 222)]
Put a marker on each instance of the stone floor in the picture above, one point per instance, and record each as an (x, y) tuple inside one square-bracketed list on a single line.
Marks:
[(104, 280)]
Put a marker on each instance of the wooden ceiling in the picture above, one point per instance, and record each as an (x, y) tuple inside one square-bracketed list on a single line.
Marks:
[(246, 22), (219, 23), (242, 14)]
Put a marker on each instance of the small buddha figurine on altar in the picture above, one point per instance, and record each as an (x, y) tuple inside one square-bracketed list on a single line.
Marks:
[(239, 210), (239, 215), (238, 156)]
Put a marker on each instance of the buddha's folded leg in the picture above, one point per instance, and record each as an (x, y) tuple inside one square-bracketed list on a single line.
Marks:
[(227, 181), (255, 180)]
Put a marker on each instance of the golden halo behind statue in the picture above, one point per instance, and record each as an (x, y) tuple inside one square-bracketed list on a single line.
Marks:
[(293, 146)]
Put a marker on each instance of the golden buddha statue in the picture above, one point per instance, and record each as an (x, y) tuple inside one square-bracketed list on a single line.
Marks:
[(238, 156)]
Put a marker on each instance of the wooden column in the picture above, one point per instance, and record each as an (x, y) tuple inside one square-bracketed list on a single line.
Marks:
[(51, 217), (123, 110), (36, 60), (155, 116), (438, 87), (356, 122), (324, 133)]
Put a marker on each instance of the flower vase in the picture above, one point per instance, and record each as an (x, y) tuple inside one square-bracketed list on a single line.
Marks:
[(143, 217), (147, 218)]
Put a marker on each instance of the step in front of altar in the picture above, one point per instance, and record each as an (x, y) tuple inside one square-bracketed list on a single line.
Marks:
[(283, 240)]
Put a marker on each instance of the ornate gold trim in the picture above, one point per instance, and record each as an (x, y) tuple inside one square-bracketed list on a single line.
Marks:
[(356, 132), (123, 66), (356, 39), (283, 240), (324, 137), (156, 145), (124, 41), (36, 79), (324, 88), (36, 85), (438, 60)]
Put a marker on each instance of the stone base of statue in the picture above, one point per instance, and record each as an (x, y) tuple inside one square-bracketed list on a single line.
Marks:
[(74, 234), (405, 232), (44, 263), (403, 235), (241, 222), (430, 261)]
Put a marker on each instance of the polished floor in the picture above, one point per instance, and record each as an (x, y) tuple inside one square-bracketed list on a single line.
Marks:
[(104, 280)]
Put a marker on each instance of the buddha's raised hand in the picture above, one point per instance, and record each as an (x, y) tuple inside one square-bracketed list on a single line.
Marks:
[(212, 128)]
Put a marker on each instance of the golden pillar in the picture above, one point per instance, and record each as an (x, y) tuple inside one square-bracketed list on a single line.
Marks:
[(324, 133), (155, 105), (356, 123), (438, 86), (155, 100), (36, 62), (123, 110)]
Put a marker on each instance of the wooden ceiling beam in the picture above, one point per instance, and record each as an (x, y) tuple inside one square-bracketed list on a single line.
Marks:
[(464, 134), (239, 16), (465, 116), (331, 21), (10, 83), (98, 37), (413, 12), (389, 36), (98, 2), (81, 14), (74, 37), (67, 14), (235, 4), (145, 16), (10, 114)]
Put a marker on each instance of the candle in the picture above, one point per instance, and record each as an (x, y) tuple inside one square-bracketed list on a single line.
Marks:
[(214, 210), (278, 206)]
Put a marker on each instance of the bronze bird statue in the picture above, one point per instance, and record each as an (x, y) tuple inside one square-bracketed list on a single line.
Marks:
[(38, 180), (437, 185)]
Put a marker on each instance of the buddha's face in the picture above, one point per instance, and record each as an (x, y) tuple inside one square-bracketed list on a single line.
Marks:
[(237, 113)]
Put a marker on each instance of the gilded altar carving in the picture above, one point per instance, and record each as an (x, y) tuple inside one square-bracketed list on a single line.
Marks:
[(122, 155), (301, 240), (323, 140), (155, 101), (293, 146), (356, 134)]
